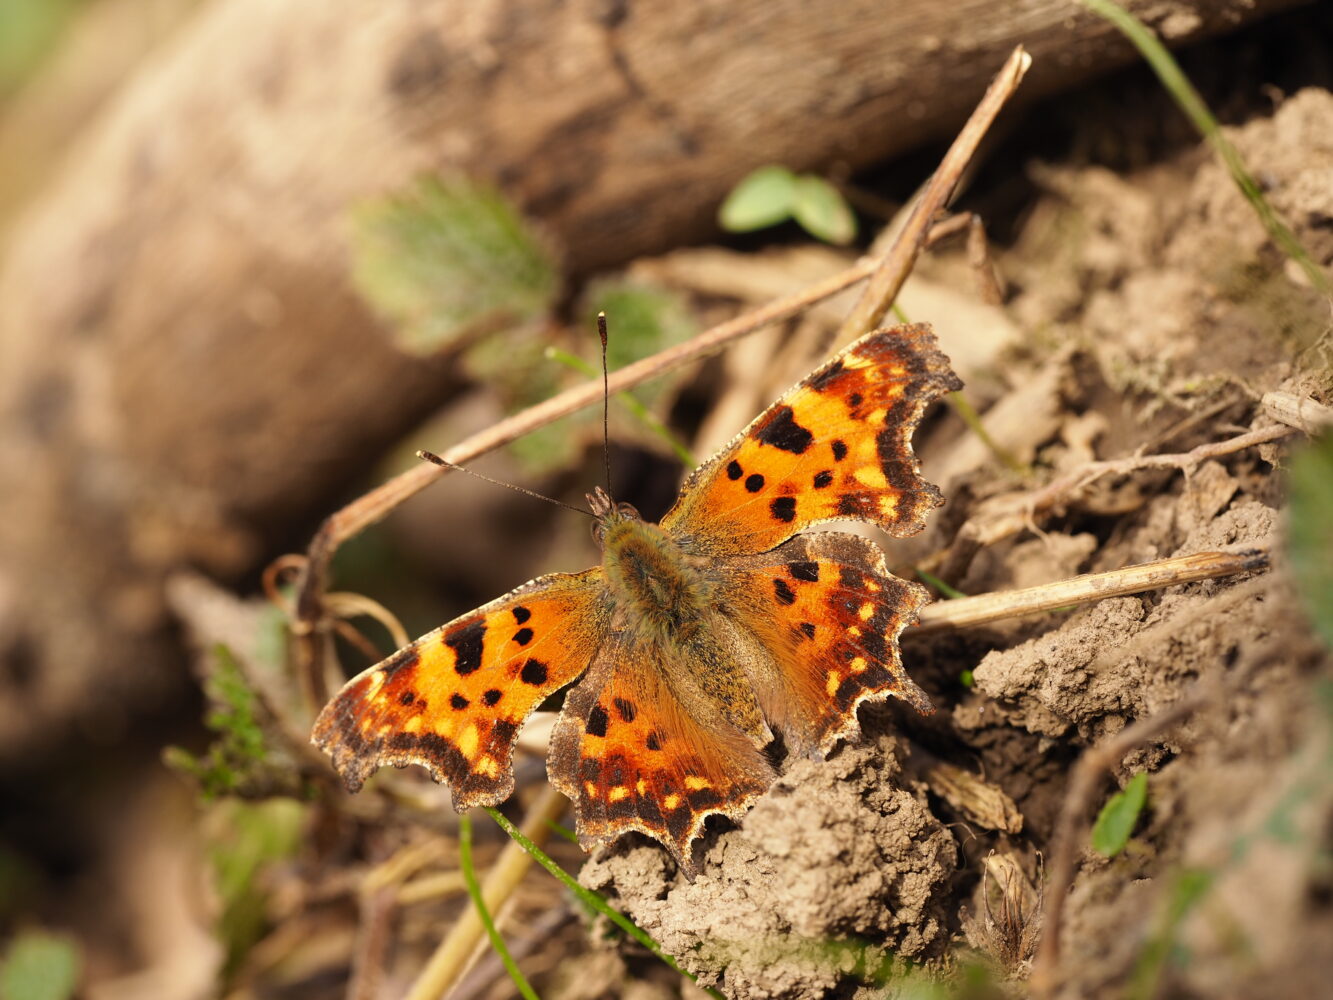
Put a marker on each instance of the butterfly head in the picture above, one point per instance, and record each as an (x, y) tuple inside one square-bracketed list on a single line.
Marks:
[(608, 513)]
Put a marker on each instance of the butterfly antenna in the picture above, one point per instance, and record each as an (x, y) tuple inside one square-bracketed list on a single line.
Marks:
[(606, 403), (434, 459)]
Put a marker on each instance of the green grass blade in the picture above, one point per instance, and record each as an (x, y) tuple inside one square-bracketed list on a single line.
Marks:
[(591, 899), (483, 914), (950, 593), (631, 403), (1180, 88)]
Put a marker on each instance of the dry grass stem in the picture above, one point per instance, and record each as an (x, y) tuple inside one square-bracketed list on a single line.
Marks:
[(1300, 412), (965, 611), (450, 959), (888, 279)]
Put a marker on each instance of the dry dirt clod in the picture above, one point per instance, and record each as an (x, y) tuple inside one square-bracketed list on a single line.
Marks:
[(837, 870)]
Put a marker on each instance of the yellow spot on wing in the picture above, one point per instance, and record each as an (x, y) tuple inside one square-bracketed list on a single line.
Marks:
[(867, 611), (854, 632), (641, 787), (872, 477), (617, 793), (412, 724), (671, 801), (590, 789), (467, 743), (376, 682), (488, 766), (831, 685), (888, 505), (858, 664), (693, 782)]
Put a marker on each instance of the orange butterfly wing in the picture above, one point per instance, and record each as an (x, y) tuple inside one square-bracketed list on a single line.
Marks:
[(837, 446), (454, 700)]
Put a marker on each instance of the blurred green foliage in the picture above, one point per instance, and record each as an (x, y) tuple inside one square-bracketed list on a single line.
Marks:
[(641, 320), (39, 966), (1310, 538), (447, 258), (28, 30), (242, 838), (241, 760)]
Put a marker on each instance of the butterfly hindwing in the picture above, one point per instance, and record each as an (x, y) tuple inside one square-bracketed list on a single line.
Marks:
[(829, 614), (632, 755), (455, 699), (837, 446)]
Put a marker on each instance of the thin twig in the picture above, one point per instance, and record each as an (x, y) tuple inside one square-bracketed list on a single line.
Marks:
[(1007, 516), (965, 611), (450, 959), (888, 279)]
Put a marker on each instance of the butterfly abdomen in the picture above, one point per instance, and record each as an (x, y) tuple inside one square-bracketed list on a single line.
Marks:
[(662, 589)]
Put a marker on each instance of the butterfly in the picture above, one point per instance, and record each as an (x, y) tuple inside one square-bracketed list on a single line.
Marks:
[(696, 639)]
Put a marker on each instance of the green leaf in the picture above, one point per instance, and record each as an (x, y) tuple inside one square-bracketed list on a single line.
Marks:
[(1310, 538), (445, 258), (1116, 821), (822, 211), (39, 966), (763, 198)]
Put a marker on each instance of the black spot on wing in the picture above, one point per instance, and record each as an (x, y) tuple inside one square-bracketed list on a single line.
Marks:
[(823, 379), (754, 482), (654, 741), (534, 672), (597, 720), (407, 697), (466, 641), (734, 470), (782, 591), (782, 431), (839, 450), (523, 636), (458, 702), (823, 479), (521, 614), (783, 509), (809, 629), (503, 732), (807, 571), (492, 696), (625, 708)]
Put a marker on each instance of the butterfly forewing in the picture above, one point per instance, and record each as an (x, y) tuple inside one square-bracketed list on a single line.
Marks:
[(455, 699), (837, 446)]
